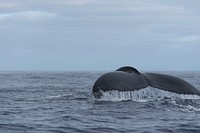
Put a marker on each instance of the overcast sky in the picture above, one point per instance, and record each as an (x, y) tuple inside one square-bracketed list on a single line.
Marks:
[(76, 35)]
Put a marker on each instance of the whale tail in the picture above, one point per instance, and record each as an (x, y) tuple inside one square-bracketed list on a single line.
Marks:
[(129, 79), (170, 83), (129, 69)]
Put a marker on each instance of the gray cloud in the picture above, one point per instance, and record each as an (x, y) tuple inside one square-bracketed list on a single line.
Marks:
[(27, 15), (149, 34)]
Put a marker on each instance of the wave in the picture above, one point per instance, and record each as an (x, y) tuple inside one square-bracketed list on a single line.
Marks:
[(143, 95), (67, 97)]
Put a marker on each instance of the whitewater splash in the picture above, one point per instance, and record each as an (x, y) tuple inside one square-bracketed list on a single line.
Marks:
[(143, 95)]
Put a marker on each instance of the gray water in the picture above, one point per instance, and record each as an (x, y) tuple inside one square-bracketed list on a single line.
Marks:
[(56, 102)]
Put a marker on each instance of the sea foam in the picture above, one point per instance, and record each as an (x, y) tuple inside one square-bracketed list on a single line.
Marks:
[(143, 95)]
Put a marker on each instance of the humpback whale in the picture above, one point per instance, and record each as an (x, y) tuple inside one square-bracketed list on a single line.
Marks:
[(129, 79)]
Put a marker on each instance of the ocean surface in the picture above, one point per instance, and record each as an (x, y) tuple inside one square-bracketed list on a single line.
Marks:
[(61, 102)]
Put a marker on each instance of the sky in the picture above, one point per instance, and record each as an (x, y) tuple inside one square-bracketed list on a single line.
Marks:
[(92, 35)]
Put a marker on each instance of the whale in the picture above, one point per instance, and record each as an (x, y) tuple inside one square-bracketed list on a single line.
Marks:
[(128, 78)]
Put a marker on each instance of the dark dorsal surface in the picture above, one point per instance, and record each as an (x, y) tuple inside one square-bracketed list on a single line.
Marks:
[(119, 80), (130, 79), (128, 69), (170, 83)]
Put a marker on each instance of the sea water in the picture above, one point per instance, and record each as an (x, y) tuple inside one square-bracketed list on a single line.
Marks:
[(59, 102)]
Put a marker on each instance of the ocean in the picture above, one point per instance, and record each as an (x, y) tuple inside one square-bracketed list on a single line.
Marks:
[(62, 102)]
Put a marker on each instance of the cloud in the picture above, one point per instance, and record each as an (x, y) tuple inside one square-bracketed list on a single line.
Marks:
[(74, 2), (190, 38), (138, 29), (27, 15), (4, 5)]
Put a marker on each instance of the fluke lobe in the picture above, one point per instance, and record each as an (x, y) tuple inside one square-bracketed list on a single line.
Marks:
[(129, 79)]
